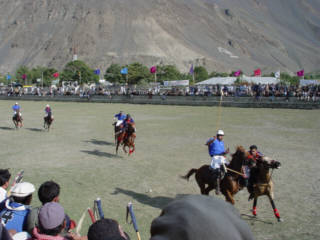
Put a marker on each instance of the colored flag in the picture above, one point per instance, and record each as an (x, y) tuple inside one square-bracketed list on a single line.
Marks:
[(277, 74), (124, 71), (237, 73), (191, 71), (8, 77), (257, 72), (153, 69), (300, 73), (97, 71), (24, 76), (55, 75)]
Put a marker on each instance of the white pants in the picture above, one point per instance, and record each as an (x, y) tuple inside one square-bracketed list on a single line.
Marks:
[(217, 161)]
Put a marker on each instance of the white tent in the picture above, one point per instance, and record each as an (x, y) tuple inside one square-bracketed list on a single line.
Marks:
[(262, 80), (218, 80)]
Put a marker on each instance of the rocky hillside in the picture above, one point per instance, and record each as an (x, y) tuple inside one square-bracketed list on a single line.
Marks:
[(222, 35)]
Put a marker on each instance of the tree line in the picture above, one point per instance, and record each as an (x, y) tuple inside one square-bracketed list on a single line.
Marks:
[(137, 73)]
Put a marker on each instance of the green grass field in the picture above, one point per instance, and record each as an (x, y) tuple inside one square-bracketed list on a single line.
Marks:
[(79, 154)]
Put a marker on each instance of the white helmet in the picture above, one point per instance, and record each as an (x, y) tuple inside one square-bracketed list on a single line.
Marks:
[(16, 103), (220, 132), (48, 105)]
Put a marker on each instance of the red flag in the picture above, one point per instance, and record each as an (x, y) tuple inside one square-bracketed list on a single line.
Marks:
[(300, 73), (257, 72), (24, 76), (153, 69), (55, 75), (237, 73)]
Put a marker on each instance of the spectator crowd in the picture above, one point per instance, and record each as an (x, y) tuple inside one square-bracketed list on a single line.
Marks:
[(192, 217), (303, 93)]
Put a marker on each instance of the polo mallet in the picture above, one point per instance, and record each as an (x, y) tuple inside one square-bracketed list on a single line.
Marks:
[(17, 179), (133, 219), (93, 220), (97, 202), (79, 226)]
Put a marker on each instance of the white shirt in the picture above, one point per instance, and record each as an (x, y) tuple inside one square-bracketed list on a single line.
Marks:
[(3, 194)]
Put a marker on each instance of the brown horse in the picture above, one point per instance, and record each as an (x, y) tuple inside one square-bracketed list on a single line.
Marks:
[(126, 138), (17, 120), (230, 184), (263, 184), (47, 121)]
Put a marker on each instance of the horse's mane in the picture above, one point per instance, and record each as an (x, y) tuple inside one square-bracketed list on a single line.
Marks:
[(235, 156)]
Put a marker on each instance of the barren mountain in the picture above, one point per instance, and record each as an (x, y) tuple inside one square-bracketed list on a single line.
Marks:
[(222, 35)]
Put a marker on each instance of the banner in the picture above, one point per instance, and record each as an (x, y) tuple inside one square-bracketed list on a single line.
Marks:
[(300, 73), (277, 74), (8, 77), (191, 71), (257, 72), (176, 83), (237, 73), (55, 75), (24, 76), (97, 71)]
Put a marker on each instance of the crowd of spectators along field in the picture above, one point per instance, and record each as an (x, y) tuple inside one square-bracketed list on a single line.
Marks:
[(303, 93), (192, 217)]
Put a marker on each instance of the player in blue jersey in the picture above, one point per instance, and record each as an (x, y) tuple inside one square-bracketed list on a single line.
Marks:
[(217, 153)]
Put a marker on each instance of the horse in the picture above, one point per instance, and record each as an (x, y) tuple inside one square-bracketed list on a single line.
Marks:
[(230, 184), (126, 138), (17, 120), (117, 130), (263, 184), (47, 121)]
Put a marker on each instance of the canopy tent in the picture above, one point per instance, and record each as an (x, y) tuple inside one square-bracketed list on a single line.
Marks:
[(305, 82), (231, 80)]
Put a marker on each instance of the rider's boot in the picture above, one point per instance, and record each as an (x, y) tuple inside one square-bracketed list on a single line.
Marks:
[(218, 186)]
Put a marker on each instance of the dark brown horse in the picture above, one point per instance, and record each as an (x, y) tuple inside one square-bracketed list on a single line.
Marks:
[(126, 138), (17, 120), (230, 184), (47, 121), (263, 184)]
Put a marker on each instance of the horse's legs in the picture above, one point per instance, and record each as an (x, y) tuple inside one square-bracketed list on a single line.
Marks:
[(209, 188), (275, 210), (202, 186), (229, 197), (254, 208), (118, 143)]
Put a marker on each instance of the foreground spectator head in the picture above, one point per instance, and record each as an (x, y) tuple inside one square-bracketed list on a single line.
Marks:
[(51, 219), (4, 178), (22, 193), (49, 192), (106, 229), (197, 218)]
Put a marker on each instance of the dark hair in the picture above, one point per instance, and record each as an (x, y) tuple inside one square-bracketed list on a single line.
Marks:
[(23, 200), (4, 176), (104, 229), (253, 147), (48, 191), (51, 232)]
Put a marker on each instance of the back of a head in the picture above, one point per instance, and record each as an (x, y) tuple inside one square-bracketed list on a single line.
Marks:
[(48, 191), (104, 229), (197, 217), (4, 176)]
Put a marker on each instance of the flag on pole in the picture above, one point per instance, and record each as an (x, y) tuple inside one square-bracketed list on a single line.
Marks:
[(55, 75), (97, 71), (124, 71), (24, 76), (8, 77), (237, 73), (153, 69), (257, 72), (277, 74), (191, 71), (300, 73)]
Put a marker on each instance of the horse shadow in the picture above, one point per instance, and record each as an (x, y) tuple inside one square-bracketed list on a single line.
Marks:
[(35, 129), (99, 142), (6, 128), (254, 219), (101, 154), (156, 202)]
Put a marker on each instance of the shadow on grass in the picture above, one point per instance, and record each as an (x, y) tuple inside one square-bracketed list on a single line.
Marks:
[(99, 142), (101, 154), (6, 128), (156, 202), (254, 219), (35, 129)]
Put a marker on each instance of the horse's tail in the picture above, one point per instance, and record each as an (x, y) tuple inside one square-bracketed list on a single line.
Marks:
[(189, 174)]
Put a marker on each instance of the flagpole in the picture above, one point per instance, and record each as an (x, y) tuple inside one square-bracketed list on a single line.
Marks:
[(155, 77), (42, 79)]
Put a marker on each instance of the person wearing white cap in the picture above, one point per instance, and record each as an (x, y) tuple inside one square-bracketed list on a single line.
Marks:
[(217, 153), (17, 207), (48, 115)]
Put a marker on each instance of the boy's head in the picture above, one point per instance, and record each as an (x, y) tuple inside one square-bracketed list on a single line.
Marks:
[(22, 193), (49, 192), (106, 229), (51, 219), (4, 178)]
